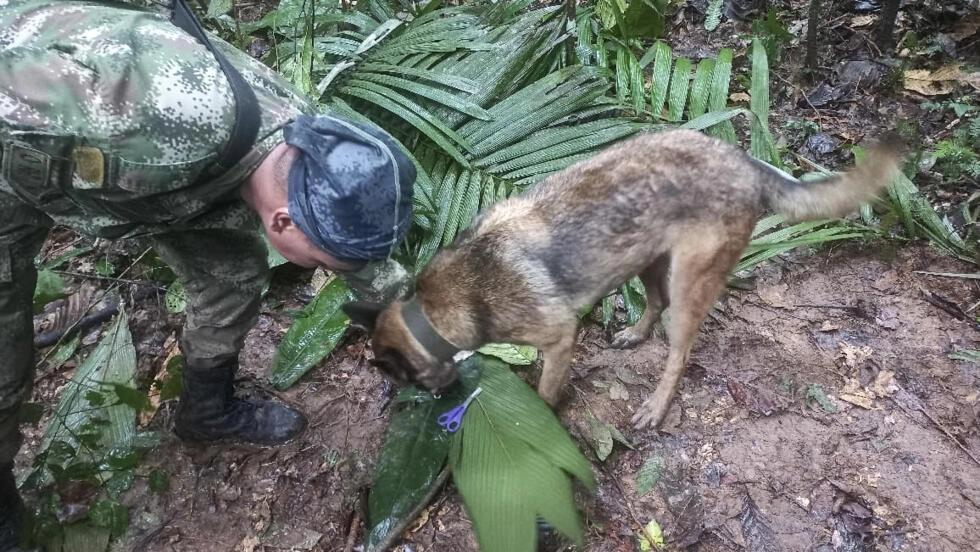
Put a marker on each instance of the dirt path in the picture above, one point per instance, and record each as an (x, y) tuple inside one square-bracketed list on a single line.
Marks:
[(748, 460)]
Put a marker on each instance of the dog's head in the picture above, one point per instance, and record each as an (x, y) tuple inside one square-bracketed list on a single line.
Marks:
[(397, 353)]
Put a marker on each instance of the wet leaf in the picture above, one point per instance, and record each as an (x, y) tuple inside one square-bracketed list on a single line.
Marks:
[(649, 474), (313, 335), (512, 461), (517, 355), (758, 535), (413, 455), (603, 436), (120, 483)]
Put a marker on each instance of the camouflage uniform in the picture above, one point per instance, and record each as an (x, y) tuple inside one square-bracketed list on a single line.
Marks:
[(110, 119)]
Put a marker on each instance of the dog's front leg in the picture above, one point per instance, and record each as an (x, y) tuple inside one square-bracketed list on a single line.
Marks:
[(557, 359)]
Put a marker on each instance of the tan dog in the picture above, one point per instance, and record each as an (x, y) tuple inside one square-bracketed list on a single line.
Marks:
[(676, 208)]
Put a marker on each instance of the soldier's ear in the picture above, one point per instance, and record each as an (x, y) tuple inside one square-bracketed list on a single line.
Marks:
[(363, 314)]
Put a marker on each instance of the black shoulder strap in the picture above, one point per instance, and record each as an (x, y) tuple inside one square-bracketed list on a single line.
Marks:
[(246, 127)]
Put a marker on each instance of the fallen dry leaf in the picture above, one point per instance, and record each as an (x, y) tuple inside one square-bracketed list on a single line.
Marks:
[(854, 394), (854, 356), (862, 20), (828, 326), (884, 384), (774, 296), (935, 83), (739, 97), (249, 543), (966, 27)]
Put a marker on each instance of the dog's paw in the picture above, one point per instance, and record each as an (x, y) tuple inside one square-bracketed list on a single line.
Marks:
[(627, 339), (651, 414)]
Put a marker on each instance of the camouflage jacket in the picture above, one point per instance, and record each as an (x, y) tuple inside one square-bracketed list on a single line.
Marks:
[(110, 114)]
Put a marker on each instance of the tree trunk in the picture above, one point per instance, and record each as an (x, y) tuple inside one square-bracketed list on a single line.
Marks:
[(813, 21), (570, 44), (886, 26)]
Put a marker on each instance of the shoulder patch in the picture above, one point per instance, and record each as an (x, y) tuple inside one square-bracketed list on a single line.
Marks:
[(89, 168)]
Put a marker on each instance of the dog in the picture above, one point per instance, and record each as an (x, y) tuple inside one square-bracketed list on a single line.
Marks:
[(676, 208)]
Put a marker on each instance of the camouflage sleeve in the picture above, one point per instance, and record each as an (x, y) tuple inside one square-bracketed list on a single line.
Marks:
[(380, 282)]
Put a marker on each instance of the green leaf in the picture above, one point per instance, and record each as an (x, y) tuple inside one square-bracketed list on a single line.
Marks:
[(49, 287), (649, 475), (112, 362), (634, 300), (81, 537), (110, 515), (158, 481), (644, 18), (104, 268), (661, 78), (762, 144), (718, 96), (700, 89), (64, 352), (413, 455), (815, 393), (679, 83), (176, 297), (511, 462), (313, 335), (218, 7), (119, 483), (517, 355), (133, 398), (713, 17)]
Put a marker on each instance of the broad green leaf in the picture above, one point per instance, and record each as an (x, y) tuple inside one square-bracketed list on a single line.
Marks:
[(517, 355), (762, 144), (313, 335), (49, 287), (700, 89), (81, 537), (718, 96), (218, 7), (511, 462), (679, 83), (112, 362), (661, 78)]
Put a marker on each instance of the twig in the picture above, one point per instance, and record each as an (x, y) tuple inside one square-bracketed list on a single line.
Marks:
[(397, 530), (922, 409), (352, 532), (96, 277), (948, 306)]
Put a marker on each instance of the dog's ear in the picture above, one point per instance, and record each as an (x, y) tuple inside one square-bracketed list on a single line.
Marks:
[(363, 314)]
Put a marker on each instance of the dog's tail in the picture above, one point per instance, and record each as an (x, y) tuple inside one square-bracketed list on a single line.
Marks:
[(836, 195)]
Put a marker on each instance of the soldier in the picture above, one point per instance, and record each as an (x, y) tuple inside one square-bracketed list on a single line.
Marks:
[(114, 121)]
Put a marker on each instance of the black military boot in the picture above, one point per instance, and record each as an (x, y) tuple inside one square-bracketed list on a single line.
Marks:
[(208, 411), (11, 511)]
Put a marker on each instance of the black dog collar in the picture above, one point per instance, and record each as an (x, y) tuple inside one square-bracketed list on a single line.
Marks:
[(422, 330)]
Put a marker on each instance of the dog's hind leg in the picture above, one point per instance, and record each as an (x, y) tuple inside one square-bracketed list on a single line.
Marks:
[(698, 275), (654, 278)]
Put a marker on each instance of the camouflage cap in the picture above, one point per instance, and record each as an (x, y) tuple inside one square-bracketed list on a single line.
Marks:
[(350, 187)]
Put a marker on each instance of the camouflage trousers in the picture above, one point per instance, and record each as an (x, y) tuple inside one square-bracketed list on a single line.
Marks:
[(223, 270)]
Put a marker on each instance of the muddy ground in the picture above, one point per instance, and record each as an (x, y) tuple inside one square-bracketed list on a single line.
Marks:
[(749, 461)]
